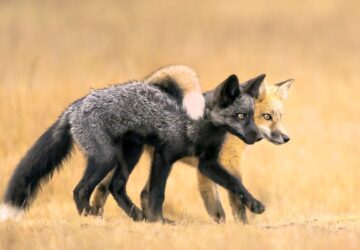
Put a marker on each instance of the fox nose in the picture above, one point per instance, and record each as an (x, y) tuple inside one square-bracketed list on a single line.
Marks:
[(285, 138)]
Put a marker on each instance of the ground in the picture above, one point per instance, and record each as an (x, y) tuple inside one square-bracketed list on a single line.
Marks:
[(55, 52)]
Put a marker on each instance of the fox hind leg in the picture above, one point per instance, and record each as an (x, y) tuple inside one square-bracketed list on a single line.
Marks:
[(132, 148), (144, 197), (95, 171), (100, 195)]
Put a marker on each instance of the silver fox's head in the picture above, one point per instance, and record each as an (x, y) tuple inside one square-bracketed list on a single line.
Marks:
[(231, 106)]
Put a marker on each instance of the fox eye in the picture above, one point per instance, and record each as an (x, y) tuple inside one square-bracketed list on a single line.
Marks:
[(267, 117), (241, 116)]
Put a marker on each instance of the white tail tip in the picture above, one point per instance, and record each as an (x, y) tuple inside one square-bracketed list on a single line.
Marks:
[(194, 104), (8, 212)]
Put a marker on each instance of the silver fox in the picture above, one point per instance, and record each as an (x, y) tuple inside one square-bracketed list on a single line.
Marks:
[(268, 114), (111, 125)]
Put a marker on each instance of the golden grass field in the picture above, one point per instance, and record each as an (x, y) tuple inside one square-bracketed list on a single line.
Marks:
[(53, 52)]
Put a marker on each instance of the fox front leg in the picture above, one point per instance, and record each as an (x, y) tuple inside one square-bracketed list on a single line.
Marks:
[(210, 196), (238, 208), (214, 171), (153, 195)]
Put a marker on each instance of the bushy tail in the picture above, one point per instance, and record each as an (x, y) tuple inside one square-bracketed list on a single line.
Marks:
[(175, 78), (39, 164)]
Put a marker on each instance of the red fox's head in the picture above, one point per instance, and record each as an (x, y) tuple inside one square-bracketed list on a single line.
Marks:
[(269, 111)]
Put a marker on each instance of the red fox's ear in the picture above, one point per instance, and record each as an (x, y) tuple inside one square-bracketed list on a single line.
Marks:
[(262, 91), (283, 88)]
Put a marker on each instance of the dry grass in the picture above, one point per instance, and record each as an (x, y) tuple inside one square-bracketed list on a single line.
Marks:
[(54, 52)]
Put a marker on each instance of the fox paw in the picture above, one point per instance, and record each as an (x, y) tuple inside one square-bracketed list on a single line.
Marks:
[(97, 211), (168, 221), (256, 207), (137, 215), (158, 218), (218, 215)]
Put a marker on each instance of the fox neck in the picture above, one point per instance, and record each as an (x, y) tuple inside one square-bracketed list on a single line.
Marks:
[(210, 105), (203, 134), (205, 131)]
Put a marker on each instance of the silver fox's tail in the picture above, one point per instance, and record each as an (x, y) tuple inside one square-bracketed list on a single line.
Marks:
[(36, 167), (187, 81)]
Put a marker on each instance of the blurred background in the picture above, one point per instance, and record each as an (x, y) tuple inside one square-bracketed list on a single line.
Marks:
[(53, 52)]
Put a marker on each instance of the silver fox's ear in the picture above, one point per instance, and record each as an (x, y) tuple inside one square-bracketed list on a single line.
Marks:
[(252, 86), (283, 88), (227, 91)]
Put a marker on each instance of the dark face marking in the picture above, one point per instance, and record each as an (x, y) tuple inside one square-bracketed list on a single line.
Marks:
[(238, 119)]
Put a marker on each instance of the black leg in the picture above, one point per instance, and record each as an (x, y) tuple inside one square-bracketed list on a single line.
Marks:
[(214, 171), (131, 149), (118, 190), (144, 197), (160, 171), (95, 171)]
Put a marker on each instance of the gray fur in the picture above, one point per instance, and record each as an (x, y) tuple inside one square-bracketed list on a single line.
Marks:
[(98, 122), (110, 112)]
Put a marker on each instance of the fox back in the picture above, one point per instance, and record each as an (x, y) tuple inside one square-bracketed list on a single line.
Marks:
[(107, 114)]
